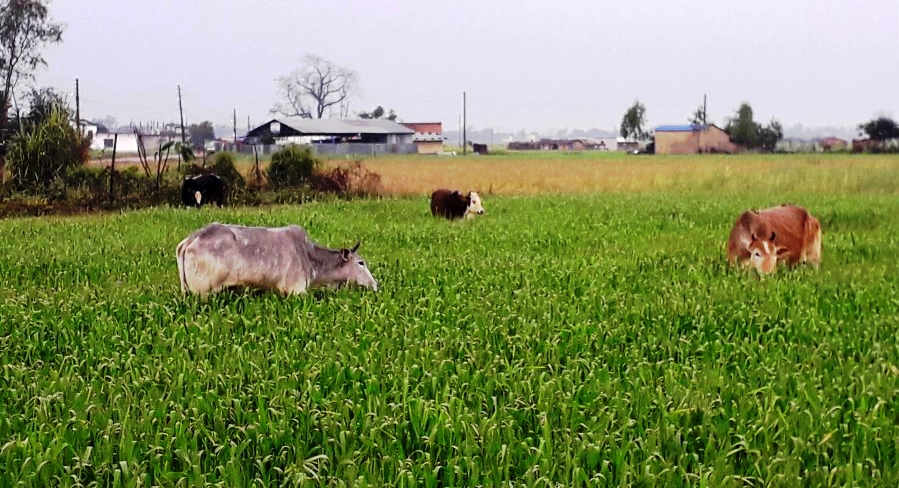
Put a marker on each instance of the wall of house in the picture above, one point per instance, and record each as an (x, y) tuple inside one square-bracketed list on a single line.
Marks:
[(426, 127), (711, 140), (677, 142), (715, 140), (429, 147), (126, 143)]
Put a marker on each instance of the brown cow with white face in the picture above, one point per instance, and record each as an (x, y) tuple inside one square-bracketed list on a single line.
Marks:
[(452, 205), (763, 238)]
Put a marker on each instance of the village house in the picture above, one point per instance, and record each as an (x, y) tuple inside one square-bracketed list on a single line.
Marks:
[(428, 137), (693, 139), (332, 136)]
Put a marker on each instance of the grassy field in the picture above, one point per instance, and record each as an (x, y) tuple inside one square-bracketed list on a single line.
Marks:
[(587, 338)]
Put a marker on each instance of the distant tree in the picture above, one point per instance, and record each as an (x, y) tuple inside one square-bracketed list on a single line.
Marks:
[(633, 122), (25, 28), (42, 102), (105, 124), (747, 132), (310, 91), (200, 133), (377, 113), (770, 135), (742, 128), (880, 129), (699, 117)]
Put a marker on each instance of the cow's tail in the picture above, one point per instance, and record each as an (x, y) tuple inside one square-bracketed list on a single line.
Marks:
[(813, 230), (181, 252)]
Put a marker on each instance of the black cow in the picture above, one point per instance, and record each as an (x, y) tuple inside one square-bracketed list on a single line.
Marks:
[(203, 189)]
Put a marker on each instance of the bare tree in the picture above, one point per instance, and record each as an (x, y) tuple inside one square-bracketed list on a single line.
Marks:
[(25, 27), (310, 91)]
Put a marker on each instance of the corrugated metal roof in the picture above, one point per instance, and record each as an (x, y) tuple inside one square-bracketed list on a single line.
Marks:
[(678, 128), (343, 126)]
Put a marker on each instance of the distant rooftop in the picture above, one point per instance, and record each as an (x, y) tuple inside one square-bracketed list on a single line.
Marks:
[(343, 126), (679, 128)]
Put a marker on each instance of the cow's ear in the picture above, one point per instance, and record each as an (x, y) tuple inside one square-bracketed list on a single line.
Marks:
[(773, 235), (345, 254), (356, 246)]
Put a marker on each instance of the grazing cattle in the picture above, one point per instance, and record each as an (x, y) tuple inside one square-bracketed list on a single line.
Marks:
[(202, 189), (479, 148), (765, 237), (452, 205), (283, 259)]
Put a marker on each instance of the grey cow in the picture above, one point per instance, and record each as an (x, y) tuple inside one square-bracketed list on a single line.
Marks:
[(284, 259)]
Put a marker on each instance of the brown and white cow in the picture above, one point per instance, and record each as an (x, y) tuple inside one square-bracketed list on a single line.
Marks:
[(284, 259), (452, 205), (762, 238)]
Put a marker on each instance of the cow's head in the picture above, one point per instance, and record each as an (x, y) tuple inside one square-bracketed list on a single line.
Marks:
[(763, 252), (474, 205), (352, 269)]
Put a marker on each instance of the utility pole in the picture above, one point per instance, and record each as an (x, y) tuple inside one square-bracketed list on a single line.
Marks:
[(235, 126), (464, 123), (77, 109), (115, 142), (248, 124), (705, 120), (181, 111)]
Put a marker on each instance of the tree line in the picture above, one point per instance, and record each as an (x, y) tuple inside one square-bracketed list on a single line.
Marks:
[(744, 130)]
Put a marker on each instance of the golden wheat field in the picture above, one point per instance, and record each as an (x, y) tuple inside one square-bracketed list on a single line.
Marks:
[(578, 173)]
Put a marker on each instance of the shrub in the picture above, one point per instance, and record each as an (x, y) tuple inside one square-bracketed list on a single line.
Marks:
[(41, 154), (95, 180), (223, 166), (351, 179), (292, 166)]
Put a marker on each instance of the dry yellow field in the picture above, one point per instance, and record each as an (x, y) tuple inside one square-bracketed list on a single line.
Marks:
[(525, 173)]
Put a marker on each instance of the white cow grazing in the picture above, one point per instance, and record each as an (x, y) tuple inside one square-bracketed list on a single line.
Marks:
[(284, 259)]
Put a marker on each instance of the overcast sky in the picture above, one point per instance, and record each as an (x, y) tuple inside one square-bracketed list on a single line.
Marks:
[(524, 64)]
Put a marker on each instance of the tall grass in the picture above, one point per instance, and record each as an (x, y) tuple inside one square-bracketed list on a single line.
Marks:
[(577, 340), (579, 173)]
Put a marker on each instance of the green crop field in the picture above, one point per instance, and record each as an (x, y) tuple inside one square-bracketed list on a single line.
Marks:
[(588, 339)]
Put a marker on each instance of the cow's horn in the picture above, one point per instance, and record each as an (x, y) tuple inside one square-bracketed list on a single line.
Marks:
[(356, 246)]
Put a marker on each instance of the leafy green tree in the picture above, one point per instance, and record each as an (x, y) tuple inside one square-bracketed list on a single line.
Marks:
[(747, 132), (377, 113), (880, 129), (292, 166), (200, 133), (25, 28), (742, 128), (770, 135), (698, 117), (42, 152), (633, 122)]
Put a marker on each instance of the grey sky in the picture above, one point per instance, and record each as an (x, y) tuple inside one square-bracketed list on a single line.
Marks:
[(524, 64)]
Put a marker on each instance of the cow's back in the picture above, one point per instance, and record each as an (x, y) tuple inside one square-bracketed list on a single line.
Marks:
[(790, 224), (447, 203), (219, 256)]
